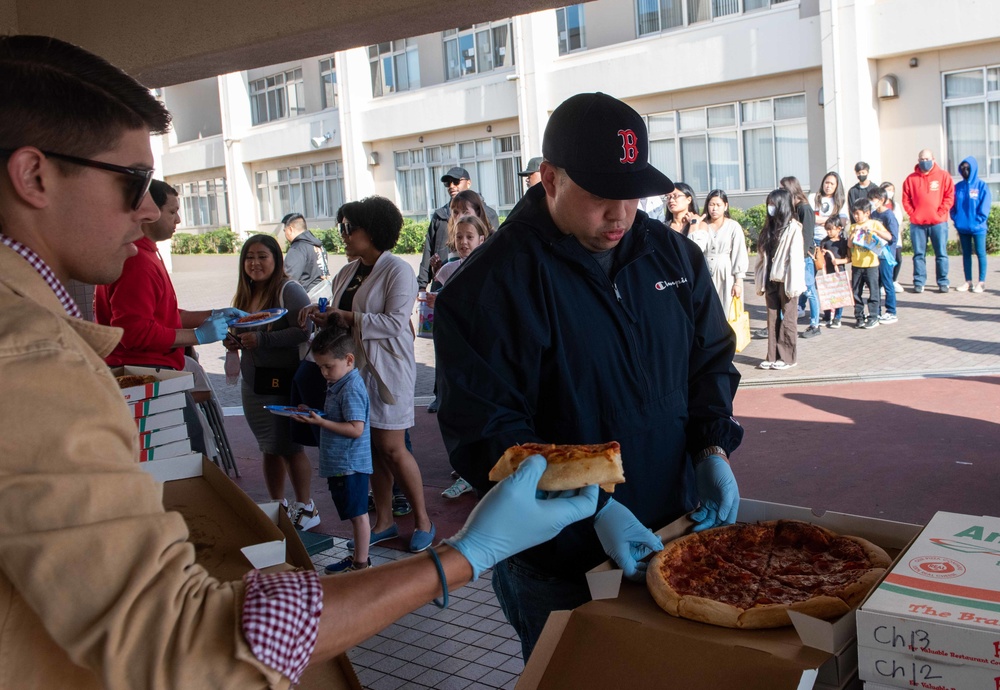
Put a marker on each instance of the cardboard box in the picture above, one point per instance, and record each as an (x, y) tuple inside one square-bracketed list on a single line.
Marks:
[(167, 381), (164, 403), (161, 437), (852, 683), (160, 421), (231, 534), (623, 639), (170, 450), (898, 669), (941, 600)]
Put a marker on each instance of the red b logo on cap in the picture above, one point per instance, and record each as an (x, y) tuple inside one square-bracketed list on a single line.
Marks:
[(629, 149)]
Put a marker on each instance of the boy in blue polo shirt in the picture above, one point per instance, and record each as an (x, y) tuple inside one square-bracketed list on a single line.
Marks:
[(345, 453)]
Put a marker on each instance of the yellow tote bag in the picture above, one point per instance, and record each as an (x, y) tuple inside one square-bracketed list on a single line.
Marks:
[(739, 319)]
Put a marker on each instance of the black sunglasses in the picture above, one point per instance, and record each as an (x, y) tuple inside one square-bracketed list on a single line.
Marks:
[(346, 228), (139, 181)]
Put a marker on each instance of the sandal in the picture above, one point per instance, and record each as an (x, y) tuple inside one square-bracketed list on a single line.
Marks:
[(457, 489)]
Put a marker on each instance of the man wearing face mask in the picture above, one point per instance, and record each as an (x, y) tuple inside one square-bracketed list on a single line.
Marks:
[(928, 195), (860, 190)]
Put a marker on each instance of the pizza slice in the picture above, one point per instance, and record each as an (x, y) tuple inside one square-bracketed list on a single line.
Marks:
[(570, 466), (850, 586), (745, 545)]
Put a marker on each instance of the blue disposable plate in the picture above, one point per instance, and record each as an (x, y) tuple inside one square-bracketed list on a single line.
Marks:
[(275, 314), (289, 411)]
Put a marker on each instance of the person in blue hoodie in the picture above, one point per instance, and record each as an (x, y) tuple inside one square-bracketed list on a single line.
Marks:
[(971, 209)]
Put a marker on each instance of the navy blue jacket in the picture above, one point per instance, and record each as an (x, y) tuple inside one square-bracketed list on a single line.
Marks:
[(535, 343), (972, 202)]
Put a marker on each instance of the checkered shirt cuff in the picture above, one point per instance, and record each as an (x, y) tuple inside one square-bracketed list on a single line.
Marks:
[(281, 619)]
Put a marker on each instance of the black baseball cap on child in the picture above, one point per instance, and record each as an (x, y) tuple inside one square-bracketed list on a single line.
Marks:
[(602, 145)]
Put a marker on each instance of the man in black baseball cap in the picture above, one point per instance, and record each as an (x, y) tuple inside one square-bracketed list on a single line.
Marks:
[(531, 174), (584, 321)]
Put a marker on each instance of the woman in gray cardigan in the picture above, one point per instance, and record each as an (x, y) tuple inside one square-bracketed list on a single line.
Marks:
[(374, 296)]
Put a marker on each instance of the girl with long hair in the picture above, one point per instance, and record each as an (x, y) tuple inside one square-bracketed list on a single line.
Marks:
[(830, 200), (269, 359), (779, 276), (725, 248), (812, 235)]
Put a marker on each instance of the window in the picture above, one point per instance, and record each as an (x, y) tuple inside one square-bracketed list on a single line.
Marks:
[(204, 203), (315, 191), (479, 48), (395, 66), (736, 147), (277, 97), (972, 121), (655, 16), (570, 23), (492, 163), (328, 83)]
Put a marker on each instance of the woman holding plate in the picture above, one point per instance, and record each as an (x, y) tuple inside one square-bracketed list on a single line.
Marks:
[(269, 357), (373, 296)]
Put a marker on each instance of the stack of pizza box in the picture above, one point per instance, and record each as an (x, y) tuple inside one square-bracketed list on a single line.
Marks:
[(934, 621), (158, 410)]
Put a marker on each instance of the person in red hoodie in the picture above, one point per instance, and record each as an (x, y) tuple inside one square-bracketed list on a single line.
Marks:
[(928, 195)]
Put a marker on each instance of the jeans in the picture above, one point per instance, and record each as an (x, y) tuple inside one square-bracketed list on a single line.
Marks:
[(970, 244), (810, 293), (938, 235), (527, 596), (885, 279)]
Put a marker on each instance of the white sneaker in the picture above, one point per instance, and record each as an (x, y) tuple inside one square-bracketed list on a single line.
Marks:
[(780, 365), (766, 364), (979, 287), (899, 288), (964, 287), (308, 516), (888, 318)]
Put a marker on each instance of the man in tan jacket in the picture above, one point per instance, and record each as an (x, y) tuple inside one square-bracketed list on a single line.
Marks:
[(98, 584)]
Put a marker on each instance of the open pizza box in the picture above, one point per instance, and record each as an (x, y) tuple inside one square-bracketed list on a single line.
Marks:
[(232, 534), (167, 381), (623, 638)]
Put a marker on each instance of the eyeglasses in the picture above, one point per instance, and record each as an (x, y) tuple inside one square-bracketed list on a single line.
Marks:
[(675, 197), (139, 181), (452, 182), (346, 228)]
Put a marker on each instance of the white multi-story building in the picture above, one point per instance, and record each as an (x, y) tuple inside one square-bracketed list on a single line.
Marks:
[(737, 94)]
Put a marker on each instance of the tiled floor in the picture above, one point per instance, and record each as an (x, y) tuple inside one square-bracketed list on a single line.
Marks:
[(469, 645)]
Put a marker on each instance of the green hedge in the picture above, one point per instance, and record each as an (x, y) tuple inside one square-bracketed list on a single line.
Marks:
[(752, 220), (221, 241), (411, 238)]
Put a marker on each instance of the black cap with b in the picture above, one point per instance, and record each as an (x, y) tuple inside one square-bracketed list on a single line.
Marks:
[(602, 145)]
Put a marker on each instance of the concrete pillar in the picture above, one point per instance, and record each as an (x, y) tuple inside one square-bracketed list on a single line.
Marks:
[(234, 103), (535, 49), (354, 80), (849, 79)]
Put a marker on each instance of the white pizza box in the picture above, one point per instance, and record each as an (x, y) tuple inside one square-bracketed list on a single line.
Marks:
[(623, 639), (167, 381), (942, 597), (195, 487), (901, 670), (829, 636), (162, 437), (160, 421), (164, 403), (167, 451), (232, 534)]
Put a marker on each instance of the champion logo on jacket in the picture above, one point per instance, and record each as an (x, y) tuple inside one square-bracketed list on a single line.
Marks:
[(663, 285)]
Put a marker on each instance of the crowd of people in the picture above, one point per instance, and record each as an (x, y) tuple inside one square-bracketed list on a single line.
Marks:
[(597, 251)]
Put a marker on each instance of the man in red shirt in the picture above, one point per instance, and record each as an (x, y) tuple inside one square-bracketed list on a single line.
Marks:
[(928, 195), (144, 304)]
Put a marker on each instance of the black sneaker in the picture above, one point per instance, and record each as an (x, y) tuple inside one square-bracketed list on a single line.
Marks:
[(918, 289), (860, 322), (872, 322), (811, 332), (835, 323), (759, 334), (943, 288), (400, 506)]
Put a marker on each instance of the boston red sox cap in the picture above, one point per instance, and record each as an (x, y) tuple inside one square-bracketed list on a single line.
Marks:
[(602, 145)]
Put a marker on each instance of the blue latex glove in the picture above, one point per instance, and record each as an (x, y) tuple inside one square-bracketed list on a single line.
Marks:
[(229, 312), (510, 518), (720, 497), (212, 330), (625, 539)]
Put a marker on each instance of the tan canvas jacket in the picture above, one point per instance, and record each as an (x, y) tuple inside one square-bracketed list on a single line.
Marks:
[(98, 586)]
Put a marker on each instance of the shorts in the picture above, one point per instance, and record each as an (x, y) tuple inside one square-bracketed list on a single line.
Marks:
[(350, 494)]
